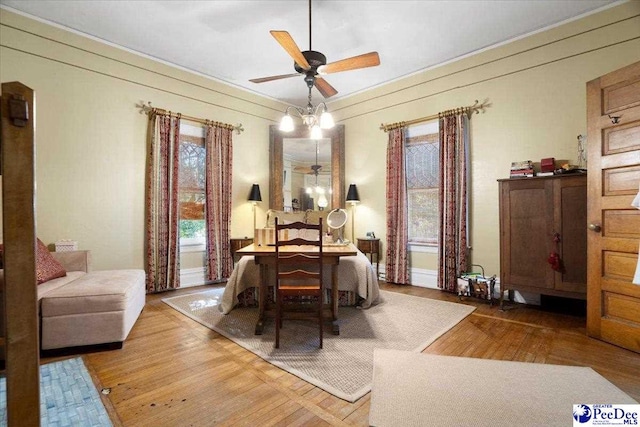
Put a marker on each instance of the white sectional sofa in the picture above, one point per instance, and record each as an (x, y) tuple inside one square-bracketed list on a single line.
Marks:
[(88, 307)]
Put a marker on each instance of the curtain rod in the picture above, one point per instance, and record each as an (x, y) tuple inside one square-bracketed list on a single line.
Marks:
[(469, 110), (148, 109)]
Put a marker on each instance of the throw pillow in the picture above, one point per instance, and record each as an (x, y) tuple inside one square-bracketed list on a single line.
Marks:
[(47, 267)]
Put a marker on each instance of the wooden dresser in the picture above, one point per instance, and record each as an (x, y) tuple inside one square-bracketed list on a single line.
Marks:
[(539, 217)]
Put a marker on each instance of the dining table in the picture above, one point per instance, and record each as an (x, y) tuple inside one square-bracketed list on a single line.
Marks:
[(265, 257)]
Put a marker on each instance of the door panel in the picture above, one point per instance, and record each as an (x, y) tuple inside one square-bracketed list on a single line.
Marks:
[(622, 95), (571, 197), (613, 302), (618, 181), (622, 139), (621, 223), (621, 307), (619, 265), (527, 260)]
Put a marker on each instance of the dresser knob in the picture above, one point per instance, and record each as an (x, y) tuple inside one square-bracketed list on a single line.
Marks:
[(595, 227)]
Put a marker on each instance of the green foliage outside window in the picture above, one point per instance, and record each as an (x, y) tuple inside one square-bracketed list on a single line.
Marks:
[(192, 228)]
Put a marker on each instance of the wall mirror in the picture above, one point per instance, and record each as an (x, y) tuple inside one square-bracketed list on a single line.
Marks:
[(305, 173)]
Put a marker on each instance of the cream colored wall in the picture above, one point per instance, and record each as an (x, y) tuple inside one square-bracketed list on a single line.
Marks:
[(91, 152), (536, 90)]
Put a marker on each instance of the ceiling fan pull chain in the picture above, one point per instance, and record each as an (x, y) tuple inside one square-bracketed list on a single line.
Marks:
[(310, 25)]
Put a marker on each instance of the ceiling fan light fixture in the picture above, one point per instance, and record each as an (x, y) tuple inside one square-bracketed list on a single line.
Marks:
[(326, 120), (309, 120), (322, 201), (316, 132), (286, 124)]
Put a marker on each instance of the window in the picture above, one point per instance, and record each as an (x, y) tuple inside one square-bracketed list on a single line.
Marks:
[(422, 172), (192, 186)]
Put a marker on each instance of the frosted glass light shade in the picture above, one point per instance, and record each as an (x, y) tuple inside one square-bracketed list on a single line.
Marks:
[(286, 124), (316, 133), (322, 201), (326, 120)]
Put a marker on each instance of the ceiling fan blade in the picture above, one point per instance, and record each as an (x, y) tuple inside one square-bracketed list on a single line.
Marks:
[(268, 79), (370, 59), (324, 88), (286, 41)]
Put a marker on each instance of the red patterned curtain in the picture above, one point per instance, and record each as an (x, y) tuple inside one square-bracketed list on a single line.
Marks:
[(396, 262), (219, 147), (453, 254), (162, 214)]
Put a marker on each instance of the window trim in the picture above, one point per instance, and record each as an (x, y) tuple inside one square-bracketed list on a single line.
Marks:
[(192, 244), (425, 248)]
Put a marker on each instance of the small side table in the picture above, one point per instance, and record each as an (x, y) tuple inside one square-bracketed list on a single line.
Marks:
[(238, 243), (371, 247)]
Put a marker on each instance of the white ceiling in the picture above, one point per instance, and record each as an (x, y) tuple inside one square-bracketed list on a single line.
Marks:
[(230, 40)]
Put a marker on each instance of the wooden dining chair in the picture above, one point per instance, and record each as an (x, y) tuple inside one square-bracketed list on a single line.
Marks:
[(298, 273)]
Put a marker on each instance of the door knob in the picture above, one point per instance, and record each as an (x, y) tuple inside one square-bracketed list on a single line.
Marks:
[(595, 227)]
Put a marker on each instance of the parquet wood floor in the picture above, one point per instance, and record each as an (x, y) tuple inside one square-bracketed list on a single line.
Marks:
[(173, 371)]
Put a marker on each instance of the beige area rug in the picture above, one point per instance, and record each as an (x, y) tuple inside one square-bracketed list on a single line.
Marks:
[(344, 366), (412, 389)]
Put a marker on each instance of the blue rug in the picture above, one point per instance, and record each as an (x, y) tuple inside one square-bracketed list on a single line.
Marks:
[(67, 396)]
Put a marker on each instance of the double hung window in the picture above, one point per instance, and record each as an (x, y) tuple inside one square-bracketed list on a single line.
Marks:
[(192, 187), (422, 157)]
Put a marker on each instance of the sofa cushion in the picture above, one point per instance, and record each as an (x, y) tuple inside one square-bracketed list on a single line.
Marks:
[(52, 285), (47, 267), (94, 292)]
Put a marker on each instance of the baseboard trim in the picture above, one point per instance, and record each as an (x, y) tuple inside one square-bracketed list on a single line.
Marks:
[(424, 278), (419, 277)]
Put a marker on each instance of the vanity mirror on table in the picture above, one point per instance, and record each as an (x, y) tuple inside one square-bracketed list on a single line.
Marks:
[(306, 174)]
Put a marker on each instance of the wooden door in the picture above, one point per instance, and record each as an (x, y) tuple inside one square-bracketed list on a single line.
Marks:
[(613, 302)]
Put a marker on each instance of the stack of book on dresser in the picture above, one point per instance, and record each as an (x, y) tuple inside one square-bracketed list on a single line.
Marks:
[(522, 169)]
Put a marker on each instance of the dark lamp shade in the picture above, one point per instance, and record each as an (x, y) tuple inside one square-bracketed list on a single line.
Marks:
[(352, 194), (255, 196)]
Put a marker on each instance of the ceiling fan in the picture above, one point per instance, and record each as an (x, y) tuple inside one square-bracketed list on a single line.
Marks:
[(310, 170), (312, 64)]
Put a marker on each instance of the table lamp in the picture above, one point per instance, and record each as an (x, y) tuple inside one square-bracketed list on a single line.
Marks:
[(254, 198), (353, 198)]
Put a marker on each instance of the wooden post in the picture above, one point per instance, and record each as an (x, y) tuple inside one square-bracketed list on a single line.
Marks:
[(20, 297)]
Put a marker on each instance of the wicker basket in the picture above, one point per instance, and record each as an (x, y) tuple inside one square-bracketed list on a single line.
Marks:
[(66, 245)]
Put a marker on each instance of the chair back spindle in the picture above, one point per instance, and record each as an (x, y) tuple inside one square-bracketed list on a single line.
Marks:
[(299, 269)]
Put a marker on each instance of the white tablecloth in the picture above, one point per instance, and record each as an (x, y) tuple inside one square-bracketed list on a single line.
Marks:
[(355, 273)]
